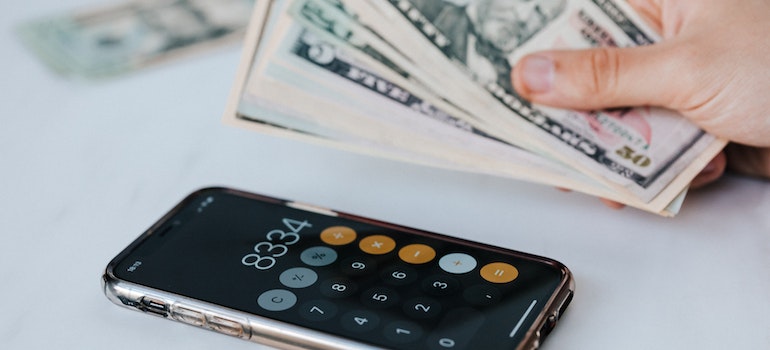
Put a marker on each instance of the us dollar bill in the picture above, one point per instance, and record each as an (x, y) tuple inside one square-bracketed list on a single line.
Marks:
[(127, 36), (650, 153)]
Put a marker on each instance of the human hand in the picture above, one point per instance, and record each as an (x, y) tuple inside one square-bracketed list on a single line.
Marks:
[(712, 66)]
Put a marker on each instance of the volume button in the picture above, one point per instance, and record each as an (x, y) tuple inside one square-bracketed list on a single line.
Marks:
[(226, 326), (188, 316)]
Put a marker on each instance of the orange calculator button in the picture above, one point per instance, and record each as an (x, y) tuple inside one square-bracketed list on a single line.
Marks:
[(417, 253), (338, 235), (377, 244), (498, 272)]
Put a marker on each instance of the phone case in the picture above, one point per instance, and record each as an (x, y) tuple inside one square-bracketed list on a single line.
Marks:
[(281, 334)]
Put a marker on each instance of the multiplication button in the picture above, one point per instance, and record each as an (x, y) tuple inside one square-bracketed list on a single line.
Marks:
[(377, 244)]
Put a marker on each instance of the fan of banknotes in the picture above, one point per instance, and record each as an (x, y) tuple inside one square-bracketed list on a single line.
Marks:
[(422, 81), (428, 81)]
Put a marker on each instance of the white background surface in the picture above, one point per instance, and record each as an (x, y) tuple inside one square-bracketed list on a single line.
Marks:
[(86, 167)]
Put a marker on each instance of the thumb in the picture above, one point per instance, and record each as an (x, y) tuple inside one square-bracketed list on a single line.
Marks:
[(599, 78)]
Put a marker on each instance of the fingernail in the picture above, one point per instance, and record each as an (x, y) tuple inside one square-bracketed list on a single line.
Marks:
[(537, 73)]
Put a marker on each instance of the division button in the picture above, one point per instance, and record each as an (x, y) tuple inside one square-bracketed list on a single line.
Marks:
[(377, 244), (338, 235), (499, 272), (457, 263), (417, 253), (318, 256), (298, 277), (360, 321), (277, 300), (318, 310), (402, 332)]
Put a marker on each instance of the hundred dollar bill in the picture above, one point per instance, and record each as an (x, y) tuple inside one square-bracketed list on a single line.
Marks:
[(649, 153), (125, 37)]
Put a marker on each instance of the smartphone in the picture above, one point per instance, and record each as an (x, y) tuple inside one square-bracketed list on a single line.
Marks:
[(297, 276)]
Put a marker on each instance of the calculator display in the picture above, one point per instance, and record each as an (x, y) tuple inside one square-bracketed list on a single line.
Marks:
[(376, 283)]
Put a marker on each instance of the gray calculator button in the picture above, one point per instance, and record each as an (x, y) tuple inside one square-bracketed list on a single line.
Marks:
[(298, 277), (457, 263), (402, 332), (277, 300), (318, 256)]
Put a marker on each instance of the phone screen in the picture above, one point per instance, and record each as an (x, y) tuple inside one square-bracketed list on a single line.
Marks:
[(376, 283)]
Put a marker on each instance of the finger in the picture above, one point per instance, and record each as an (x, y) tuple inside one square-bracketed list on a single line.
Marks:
[(750, 161), (612, 204), (712, 172), (600, 78)]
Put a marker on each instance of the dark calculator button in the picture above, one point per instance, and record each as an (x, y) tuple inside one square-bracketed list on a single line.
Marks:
[(482, 295), (422, 308), (358, 266), (318, 310), (379, 297), (338, 288), (440, 285), (360, 321), (455, 330), (402, 332), (399, 275)]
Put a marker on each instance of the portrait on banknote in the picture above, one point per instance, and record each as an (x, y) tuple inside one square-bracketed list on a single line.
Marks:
[(484, 33)]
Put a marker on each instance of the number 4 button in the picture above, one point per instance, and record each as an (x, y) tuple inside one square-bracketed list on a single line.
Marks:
[(360, 321)]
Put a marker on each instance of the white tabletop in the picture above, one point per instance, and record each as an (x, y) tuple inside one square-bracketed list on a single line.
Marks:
[(86, 167)]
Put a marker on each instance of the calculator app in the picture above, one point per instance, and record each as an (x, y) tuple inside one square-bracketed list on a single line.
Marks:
[(378, 284)]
